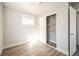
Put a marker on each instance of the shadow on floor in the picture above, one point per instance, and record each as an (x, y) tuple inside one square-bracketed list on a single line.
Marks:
[(77, 52)]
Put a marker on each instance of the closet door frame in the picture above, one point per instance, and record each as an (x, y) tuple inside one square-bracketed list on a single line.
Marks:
[(47, 28)]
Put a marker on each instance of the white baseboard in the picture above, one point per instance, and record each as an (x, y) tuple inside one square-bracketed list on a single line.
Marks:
[(8, 46), (27, 41), (58, 49), (0, 52), (52, 41), (62, 51)]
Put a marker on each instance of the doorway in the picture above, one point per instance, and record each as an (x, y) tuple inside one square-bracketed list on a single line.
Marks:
[(51, 30)]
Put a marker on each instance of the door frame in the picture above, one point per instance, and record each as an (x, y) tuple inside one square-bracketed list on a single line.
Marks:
[(47, 28), (69, 29)]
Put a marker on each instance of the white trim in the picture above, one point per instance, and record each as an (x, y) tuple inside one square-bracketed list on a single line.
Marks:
[(8, 46), (52, 41), (57, 49), (62, 51), (27, 41), (0, 52)]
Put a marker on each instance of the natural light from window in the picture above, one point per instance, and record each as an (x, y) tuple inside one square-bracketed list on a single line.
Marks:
[(28, 21)]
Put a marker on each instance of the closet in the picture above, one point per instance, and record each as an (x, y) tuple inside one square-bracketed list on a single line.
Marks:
[(51, 30)]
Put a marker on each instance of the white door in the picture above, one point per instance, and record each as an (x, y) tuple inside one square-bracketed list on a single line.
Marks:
[(72, 31)]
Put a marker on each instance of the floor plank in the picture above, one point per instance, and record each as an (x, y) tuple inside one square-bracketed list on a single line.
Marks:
[(32, 49)]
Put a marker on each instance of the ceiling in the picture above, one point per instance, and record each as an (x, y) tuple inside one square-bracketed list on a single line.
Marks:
[(34, 8)]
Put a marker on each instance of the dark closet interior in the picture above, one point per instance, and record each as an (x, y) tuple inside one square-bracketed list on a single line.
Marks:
[(51, 30)]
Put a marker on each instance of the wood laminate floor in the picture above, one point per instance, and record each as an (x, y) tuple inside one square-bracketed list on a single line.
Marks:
[(31, 49)]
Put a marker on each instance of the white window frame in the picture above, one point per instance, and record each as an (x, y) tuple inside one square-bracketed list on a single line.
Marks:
[(28, 20)]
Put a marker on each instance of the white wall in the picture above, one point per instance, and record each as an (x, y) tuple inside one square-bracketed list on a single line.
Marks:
[(61, 10), (14, 31), (1, 28)]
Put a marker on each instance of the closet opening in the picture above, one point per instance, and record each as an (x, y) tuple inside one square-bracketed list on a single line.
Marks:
[(51, 30)]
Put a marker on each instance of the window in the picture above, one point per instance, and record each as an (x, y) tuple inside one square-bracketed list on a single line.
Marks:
[(28, 20)]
